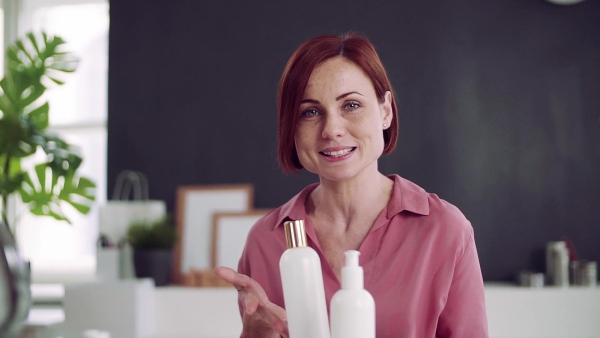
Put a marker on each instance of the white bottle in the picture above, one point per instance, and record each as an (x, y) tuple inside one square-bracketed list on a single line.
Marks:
[(352, 307), (303, 290), (561, 264), (557, 263)]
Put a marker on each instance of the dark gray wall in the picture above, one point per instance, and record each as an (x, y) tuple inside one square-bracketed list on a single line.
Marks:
[(499, 104)]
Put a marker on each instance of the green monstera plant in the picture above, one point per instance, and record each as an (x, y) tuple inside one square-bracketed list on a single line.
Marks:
[(33, 64)]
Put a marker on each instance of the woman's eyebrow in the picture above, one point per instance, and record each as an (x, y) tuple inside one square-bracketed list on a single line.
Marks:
[(309, 101), (346, 94), (337, 98)]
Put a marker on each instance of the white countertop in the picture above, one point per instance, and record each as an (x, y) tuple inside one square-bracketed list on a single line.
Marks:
[(513, 312)]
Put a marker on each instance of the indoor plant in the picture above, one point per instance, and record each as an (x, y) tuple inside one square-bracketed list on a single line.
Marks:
[(153, 244), (33, 63)]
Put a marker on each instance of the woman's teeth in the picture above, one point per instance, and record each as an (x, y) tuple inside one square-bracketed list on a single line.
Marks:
[(338, 153)]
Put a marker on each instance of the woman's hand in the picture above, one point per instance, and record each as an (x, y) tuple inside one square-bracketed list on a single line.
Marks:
[(260, 317)]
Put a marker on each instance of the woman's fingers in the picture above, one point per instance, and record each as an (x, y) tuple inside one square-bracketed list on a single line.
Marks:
[(242, 283), (233, 277), (249, 291), (250, 302), (257, 307), (278, 319)]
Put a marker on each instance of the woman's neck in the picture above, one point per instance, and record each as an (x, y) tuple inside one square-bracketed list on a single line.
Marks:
[(342, 202)]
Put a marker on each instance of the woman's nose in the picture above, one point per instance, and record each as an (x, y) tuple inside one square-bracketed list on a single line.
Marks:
[(333, 127)]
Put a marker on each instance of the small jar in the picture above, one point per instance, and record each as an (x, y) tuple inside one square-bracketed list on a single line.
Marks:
[(589, 274), (575, 272), (531, 279)]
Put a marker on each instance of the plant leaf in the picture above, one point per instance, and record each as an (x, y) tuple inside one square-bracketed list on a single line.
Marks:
[(79, 192), (63, 159), (15, 137), (31, 94), (34, 43), (39, 116), (12, 184), (40, 171), (11, 179), (41, 200), (27, 189), (80, 188)]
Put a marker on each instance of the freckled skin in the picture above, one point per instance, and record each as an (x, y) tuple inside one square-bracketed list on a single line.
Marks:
[(340, 110)]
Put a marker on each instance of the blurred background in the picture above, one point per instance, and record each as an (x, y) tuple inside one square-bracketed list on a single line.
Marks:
[(499, 108)]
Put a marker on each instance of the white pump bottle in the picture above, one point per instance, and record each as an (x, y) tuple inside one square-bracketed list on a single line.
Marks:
[(352, 307)]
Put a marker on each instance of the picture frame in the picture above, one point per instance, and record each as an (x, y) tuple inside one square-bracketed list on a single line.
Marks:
[(230, 231), (195, 206)]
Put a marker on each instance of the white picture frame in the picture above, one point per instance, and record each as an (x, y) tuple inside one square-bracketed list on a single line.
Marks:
[(195, 206), (230, 231)]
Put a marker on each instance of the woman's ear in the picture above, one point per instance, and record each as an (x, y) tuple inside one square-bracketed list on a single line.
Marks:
[(385, 108)]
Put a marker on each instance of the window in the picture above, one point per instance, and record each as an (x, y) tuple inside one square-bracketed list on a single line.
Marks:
[(60, 252)]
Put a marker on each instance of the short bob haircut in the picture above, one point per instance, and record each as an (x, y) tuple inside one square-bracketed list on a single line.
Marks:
[(351, 46)]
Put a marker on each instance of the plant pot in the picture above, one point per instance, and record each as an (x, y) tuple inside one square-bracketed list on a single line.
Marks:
[(153, 263), (15, 281)]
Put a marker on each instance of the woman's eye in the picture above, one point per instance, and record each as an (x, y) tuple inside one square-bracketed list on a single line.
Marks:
[(352, 105), (310, 113)]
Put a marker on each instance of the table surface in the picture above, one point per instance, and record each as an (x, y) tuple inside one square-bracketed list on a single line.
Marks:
[(513, 311)]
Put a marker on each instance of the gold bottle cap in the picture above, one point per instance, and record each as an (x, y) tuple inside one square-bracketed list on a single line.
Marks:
[(295, 235)]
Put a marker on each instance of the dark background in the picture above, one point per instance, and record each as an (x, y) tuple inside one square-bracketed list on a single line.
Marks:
[(499, 106)]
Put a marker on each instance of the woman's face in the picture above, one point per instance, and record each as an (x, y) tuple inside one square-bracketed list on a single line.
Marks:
[(340, 129)]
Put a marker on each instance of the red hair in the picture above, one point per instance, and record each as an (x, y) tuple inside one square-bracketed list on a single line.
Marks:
[(351, 46)]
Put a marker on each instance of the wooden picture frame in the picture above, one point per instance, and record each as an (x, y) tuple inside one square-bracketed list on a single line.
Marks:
[(230, 231), (195, 206)]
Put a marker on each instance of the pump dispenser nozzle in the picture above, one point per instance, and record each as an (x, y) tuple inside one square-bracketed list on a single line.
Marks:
[(352, 273), (352, 257)]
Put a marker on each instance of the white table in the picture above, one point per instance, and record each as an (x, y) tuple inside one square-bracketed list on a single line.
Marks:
[(549, 312), (513, 312)]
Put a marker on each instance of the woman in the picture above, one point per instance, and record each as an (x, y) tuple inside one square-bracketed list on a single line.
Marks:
[(337, 116)]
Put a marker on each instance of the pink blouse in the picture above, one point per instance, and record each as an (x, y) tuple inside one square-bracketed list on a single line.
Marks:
[(419, 259)]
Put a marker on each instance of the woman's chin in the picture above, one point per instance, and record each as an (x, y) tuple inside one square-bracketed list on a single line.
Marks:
[(338, 175)]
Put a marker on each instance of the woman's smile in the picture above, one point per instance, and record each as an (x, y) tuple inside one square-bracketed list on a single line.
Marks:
[(337, 154)]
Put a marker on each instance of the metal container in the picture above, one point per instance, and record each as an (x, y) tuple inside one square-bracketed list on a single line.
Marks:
[(589, 274), (575, 272), (557, 263), (531, 279)]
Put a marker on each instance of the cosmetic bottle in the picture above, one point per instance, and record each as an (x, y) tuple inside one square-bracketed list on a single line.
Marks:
[(302, 281), (557, 263), (352, 307)]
